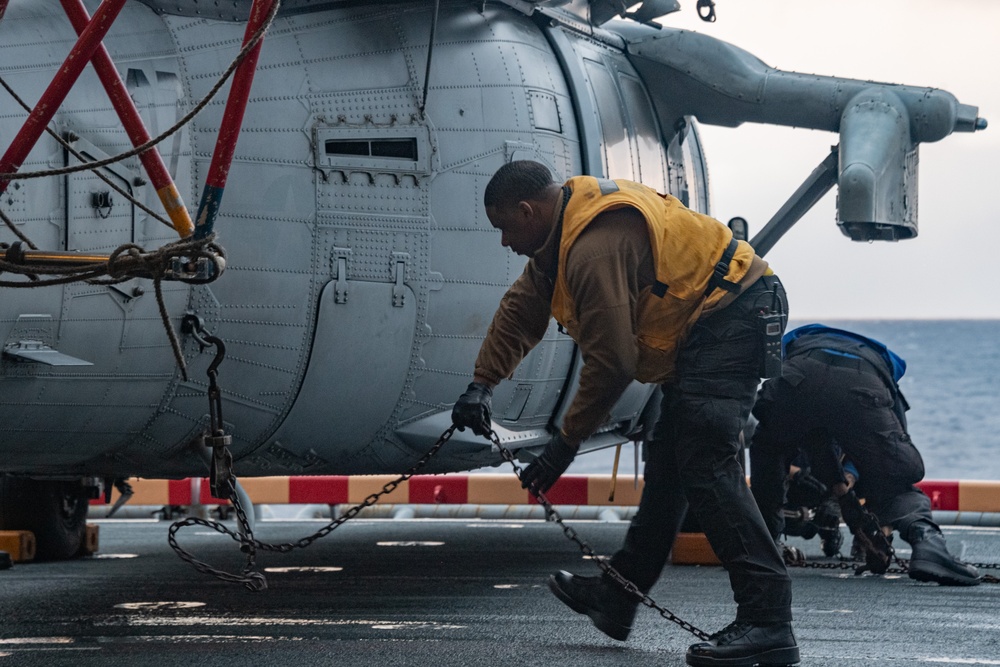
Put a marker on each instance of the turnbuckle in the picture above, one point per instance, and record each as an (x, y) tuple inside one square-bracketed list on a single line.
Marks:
[(221, 478)]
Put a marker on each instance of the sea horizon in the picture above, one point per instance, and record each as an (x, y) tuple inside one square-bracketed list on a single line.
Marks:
[(952, 383)]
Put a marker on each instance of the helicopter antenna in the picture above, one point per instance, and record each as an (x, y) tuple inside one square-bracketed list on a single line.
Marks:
[(706, 10)]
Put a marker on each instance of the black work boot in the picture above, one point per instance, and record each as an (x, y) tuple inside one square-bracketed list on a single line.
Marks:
[(830, 540), (609, 606), (932, 562), (745, 644)]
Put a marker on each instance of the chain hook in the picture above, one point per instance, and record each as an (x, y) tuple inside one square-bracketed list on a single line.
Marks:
[(222, 480)]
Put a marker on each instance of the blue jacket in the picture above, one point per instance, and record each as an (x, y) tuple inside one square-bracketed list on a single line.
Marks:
[(893, 360)]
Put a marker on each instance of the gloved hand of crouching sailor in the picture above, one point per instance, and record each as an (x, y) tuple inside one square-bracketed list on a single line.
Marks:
[(806, 489), (868, 533), (474, 408), (547, 468)]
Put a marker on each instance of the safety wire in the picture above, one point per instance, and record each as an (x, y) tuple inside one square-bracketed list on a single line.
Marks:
[(142, 148), (67, 146)]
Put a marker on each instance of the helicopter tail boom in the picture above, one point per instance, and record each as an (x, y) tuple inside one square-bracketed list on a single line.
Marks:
[(880, 125)]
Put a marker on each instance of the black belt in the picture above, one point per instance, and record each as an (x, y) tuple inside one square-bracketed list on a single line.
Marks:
[(842, 360)]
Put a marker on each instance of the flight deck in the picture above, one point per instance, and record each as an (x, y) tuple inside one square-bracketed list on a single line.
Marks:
[(449, 592)]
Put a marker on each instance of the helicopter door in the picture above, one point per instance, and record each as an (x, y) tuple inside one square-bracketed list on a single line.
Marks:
[(360, 358)]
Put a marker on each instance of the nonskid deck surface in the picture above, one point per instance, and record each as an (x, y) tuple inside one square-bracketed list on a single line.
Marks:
[(448, 592)]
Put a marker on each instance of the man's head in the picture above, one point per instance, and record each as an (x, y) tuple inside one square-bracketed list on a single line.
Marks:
[(520, 201)]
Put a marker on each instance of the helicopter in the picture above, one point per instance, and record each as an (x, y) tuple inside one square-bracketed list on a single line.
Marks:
[(331, 309)]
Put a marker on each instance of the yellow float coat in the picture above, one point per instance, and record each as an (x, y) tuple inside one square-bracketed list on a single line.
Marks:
[(686, 247)]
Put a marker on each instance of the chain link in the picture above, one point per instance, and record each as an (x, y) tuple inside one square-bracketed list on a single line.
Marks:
[(988, 578), (629, 587), (867, 519), (859, 567), (255, 581), (841, 564)]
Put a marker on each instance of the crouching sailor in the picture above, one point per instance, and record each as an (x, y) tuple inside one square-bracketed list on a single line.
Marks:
[(838, 392)]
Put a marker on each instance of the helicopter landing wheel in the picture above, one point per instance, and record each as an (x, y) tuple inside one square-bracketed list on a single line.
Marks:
[(55, 511)]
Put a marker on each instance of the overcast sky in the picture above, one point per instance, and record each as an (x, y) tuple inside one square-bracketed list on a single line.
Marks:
[(951, 270)]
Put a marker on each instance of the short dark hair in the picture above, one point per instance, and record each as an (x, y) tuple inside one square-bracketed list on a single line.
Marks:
[(520, 180)]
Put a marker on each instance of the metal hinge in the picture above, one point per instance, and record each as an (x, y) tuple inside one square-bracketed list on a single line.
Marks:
[(340, 256), (399, 260)]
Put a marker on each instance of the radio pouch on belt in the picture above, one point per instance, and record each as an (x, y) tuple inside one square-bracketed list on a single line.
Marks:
[(771, 328)]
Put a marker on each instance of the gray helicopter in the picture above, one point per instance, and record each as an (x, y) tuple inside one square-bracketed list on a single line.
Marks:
[(351, 271)]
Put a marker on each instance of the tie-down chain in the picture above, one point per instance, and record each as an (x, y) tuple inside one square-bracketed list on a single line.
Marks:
[(224, 486), (223, 483), (878, 551)]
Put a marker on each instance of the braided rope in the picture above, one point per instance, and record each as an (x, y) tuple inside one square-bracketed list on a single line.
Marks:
[(142, 148)]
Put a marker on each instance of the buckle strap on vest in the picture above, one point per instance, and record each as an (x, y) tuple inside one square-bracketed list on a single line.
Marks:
[(718, 278)]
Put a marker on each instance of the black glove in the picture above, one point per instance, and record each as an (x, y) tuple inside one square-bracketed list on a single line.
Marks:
[(868, 534), (473, 409), (806, 490), (547, 468)]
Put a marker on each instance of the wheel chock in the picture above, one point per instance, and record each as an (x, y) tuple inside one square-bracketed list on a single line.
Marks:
[(693, 549), (20, 544), (90, 540)]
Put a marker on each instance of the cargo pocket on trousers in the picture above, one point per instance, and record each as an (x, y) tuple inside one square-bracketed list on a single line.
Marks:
[(872, 397), (909, 465)]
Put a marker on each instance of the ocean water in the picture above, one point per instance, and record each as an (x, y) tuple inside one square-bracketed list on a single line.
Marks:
[(952, 383)]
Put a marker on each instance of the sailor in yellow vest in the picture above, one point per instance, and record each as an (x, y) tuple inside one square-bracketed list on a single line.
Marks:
[(650, 291)]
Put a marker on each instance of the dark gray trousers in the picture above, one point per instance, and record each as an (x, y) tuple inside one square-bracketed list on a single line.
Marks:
[(813, 400), (691, 462)]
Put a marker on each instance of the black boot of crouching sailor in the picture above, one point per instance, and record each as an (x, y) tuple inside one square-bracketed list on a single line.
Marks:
[(931, 560), (610, 607), (745, 644)]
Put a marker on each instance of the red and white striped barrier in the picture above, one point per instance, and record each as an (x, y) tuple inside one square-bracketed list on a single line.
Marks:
[(487, 489)]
